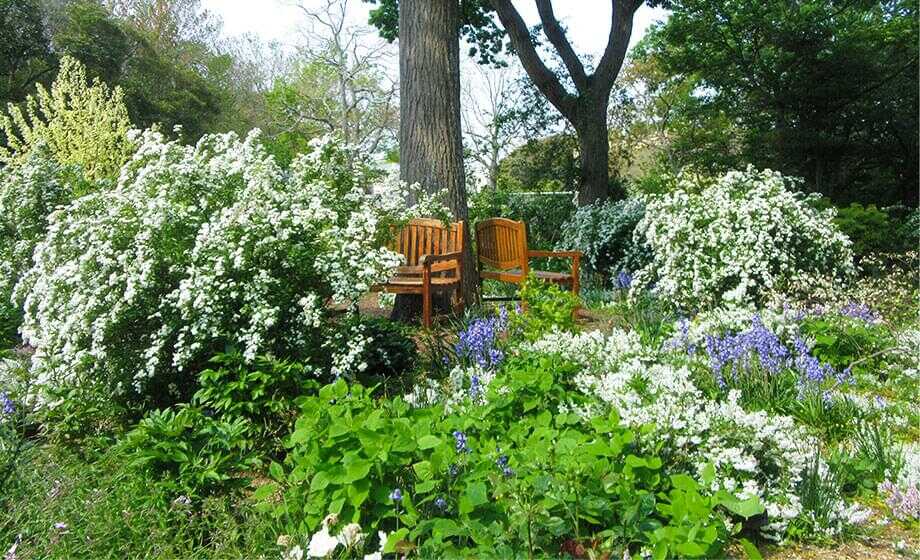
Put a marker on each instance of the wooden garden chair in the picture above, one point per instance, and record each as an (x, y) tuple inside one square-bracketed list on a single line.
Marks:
[(501, 245), (434, 258)]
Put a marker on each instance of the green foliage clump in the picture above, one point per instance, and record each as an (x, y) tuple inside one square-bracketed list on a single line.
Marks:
[(872, 230), (604, 233), (262, 392), (188, 452), (546, 307), (507, 477), (847, 342), (84, 125)]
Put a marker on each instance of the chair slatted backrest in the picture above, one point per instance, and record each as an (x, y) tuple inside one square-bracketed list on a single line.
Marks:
[(424, 236), (502, 244)]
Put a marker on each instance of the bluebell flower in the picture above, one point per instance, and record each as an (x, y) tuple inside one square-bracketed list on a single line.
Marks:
[(736, 352), (396, 495), (859, 311), (7, 403), (440, 503), (460, 442), (623, 281), (475, 386), (453, 470), (478, 343)]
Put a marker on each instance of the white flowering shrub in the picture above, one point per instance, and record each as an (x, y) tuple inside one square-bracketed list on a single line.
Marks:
[(29, 192), (198, 247), (753, 454), (737, 238)]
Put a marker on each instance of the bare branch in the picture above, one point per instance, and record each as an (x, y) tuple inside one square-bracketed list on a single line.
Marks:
[(545, 80), (556, 36)]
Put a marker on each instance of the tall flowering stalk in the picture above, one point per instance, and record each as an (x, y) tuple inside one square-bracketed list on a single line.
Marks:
[(478, 344)]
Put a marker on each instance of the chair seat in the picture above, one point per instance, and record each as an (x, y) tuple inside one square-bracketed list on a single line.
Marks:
[(413, 284), (515, 275)]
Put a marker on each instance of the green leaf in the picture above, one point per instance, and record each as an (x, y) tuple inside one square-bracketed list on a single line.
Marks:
[(319, 482), (750, 550), (357, 470), (422, 469), (745, 508), (476, 493), (265, 491), (428, 442)]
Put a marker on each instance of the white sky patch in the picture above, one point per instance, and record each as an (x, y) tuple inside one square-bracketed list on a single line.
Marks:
[(587, 22)]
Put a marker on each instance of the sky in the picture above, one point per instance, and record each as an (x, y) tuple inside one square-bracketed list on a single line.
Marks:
[(587, 21)]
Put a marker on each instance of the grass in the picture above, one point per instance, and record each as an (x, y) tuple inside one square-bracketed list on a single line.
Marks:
[(62, 507)]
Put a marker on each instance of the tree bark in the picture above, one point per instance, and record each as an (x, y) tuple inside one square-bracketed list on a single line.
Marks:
[(430, 135), (594, 153)]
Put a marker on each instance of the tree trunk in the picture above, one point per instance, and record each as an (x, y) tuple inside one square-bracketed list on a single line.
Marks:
[(594, 154), (430, 137)]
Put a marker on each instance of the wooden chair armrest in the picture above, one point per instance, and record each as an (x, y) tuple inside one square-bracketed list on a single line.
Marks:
[(428, 260), (557, 254)]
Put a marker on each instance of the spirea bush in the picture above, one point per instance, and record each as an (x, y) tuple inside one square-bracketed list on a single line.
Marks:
[(202, 246), (604, 233), (29, 192), (736, 238)]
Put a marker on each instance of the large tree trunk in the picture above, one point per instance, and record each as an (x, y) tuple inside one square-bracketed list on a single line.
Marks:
[(430, 137), (594, 154)]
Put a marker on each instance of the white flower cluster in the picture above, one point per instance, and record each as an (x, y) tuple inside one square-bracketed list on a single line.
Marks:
[(199, 246), (754, 454), (30, 189), (737, 238), (463, 386)]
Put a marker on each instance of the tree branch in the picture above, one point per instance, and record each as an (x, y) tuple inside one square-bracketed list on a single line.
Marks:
[(556, 36), (621, 22), (545, 80)]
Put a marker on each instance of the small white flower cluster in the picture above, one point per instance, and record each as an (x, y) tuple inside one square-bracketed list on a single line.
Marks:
[(464, 386), (199, 246), (323, 544), (738, 238), (754, 454)]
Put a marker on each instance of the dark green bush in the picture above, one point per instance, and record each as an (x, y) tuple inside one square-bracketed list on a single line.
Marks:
[(388, 355), (186, 452), (263, 392), (872, 230)]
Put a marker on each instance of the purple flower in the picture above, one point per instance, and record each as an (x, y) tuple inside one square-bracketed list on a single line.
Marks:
[(905, 505), (396, 495), (623, 281), (460, 442), (478, 343), (475, 387), (737, 353), (859, 311), (7, 403)]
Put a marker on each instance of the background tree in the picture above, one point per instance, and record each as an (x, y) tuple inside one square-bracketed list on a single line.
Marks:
[(339, 85), (584, 105), (430, 135), (25, 49), (823, 90), (492, 118)]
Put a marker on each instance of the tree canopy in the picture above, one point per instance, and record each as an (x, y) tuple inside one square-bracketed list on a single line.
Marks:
[(824, 90)]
